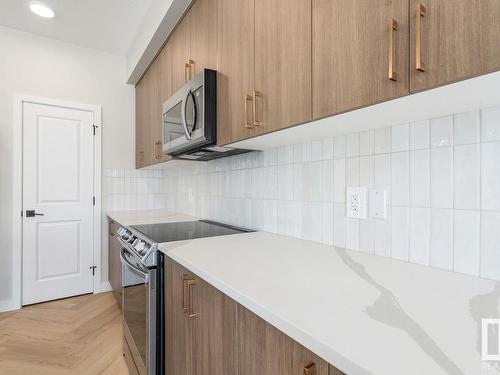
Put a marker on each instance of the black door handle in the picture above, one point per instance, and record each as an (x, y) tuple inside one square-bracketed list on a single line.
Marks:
[(32, 213)]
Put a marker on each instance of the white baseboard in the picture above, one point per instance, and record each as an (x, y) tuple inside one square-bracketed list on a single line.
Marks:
[(9, 305), (105, 287)]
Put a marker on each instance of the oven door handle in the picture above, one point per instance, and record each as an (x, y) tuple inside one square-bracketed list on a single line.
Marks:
[(127, 263)]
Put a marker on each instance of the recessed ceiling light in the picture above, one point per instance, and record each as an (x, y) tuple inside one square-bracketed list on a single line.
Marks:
[(41, 9)]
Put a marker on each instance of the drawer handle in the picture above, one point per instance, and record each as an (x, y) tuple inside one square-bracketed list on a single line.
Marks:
[(246, 99), (310, 369), (420, 66), (185, 279), (190, 285), (256, 95), (393, 26)]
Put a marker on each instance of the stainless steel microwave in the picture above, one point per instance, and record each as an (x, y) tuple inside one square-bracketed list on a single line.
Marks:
[(190, 121)]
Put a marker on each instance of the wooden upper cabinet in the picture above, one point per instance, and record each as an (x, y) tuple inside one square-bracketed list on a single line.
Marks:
[(282, 63), (180, 44), (142, 130), (264, 350), (458, 39), (203, 34), (353, 45), (235, 70)]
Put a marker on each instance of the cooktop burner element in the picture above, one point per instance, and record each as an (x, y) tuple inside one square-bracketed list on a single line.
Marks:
[(186, 230)]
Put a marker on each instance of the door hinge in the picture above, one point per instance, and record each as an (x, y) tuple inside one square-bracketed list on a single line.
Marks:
[(22, 213), (95, 127), (93, 201), (93, 270)]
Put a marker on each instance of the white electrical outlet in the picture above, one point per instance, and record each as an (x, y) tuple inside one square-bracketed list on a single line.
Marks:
[(356, 202), (378, 204)]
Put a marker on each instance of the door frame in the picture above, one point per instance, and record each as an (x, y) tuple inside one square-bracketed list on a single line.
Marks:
[(17, 189)]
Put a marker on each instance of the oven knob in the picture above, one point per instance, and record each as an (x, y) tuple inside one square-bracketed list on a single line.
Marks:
[(140, 246)]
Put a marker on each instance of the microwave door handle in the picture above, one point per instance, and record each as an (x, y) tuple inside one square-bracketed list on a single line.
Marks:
[(127, 263), (183, 110)]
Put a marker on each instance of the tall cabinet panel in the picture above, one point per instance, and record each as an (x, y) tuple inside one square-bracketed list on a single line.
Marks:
[(203, 34), (282, 63), (235, 70), (180, 43), (453, 40), (360, 53)]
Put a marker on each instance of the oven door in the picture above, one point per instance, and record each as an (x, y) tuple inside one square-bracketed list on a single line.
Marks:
[(139, 311)]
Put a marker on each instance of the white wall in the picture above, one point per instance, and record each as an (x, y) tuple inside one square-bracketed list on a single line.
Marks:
[(44, 67)]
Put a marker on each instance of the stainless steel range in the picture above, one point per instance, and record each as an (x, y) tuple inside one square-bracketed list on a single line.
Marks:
[(143, 287)]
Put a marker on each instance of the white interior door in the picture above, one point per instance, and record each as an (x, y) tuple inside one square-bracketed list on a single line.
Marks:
[(58, 154)]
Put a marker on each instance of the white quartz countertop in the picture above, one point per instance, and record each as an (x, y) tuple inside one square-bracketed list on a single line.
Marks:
[(362, 313), (127, 218)]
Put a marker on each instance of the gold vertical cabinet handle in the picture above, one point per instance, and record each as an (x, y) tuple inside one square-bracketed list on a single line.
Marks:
[(420, 13), (310, 369), (158, 150), (187, 69), (246, 99), (393, 26), (191, 71), (140, 154), (190, 285), (256, 95), (110, 228), (185, 280)]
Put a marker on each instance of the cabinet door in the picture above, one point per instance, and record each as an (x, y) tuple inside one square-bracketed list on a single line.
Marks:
[(264, 350), (114, 262), (141, 128), (203, 25), (354, 43), (235, 70), (181, 52), (335, 371), (178, 334), (282, 63), (457, 39), (214, 331)]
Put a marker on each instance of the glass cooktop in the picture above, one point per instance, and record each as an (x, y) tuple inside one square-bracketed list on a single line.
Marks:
[(186, 230)]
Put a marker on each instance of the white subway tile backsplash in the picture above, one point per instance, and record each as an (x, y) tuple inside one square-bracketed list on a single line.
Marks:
[(442, 131), (400, 190), (419, 135), (443, 200), (420, 178), (420, 235), (400, 138), (490, 176), (352, 145), (466, 242), (442, 238), (400, 239), (442, 177), (383, 142), (467, 176), (490, 124), (466, 128)]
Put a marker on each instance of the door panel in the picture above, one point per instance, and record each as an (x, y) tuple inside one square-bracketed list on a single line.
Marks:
[(178, 336), (203, 24), (181, 53), (459, 39), (282, 63), (265, 350), (351, 44), (58, 183), (215, 332), (235, 77)]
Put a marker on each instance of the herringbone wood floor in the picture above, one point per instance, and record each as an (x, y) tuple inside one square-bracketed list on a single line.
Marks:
[(80, 335)]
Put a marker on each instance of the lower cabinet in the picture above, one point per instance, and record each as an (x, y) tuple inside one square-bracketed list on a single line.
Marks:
[(208, 333), (114, 262)]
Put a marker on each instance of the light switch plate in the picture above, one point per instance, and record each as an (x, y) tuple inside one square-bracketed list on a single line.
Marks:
[(356, 202), (378, 204)]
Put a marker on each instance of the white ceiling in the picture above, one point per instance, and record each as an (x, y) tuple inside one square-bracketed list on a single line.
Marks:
[(106, 25)]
